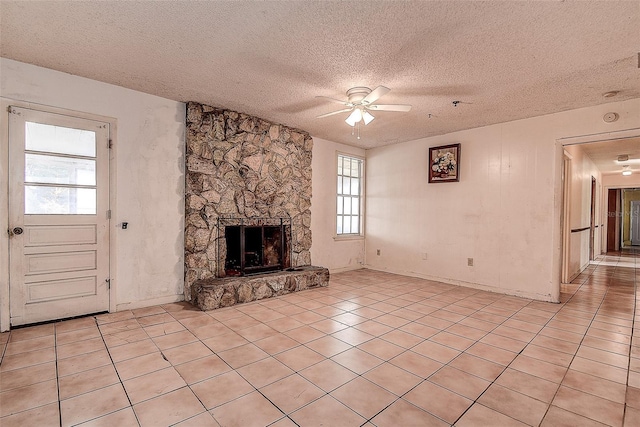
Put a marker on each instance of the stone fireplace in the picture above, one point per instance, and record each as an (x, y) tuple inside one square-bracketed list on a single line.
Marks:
[(248, 199)]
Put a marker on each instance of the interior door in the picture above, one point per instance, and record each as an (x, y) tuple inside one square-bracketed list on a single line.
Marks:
[(58, 216), (635, 222)]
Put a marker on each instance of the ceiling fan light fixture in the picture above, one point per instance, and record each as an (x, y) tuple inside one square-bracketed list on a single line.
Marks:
[(367, 117), (626, 171), (354, 117)]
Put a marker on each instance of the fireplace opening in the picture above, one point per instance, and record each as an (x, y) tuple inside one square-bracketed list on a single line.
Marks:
[(256, 248)]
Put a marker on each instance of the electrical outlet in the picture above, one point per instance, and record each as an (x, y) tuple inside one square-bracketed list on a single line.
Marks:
[(424, 255), (470, 262), (377, 251)]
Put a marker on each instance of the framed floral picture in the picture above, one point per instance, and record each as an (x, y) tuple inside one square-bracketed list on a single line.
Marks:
[(444, 163)]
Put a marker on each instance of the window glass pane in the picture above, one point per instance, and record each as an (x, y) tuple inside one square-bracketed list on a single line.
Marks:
[(355, 186), (339, 185), (346, 185), (59, 200), (340, 205), (58, 139), (339, 222), (59, 170), (355, 224), (347, 226), (340, 169), (355, 168), (347, 205), (355, 201)]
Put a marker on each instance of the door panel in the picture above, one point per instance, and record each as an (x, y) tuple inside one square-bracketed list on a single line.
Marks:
[(635, 223), (58, 222)]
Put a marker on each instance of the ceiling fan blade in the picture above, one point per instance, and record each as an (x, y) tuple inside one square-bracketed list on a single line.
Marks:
[(375, 94), (337, 101), (389, 107), (332, 113)]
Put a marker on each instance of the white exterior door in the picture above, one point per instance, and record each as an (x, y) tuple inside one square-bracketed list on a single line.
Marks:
[(58, 216), (635, 222)]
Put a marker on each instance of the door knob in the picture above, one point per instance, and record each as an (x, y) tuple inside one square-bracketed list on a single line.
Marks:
[(18, 230)]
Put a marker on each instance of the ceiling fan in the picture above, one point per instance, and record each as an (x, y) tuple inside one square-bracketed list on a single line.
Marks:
[(360, 102)]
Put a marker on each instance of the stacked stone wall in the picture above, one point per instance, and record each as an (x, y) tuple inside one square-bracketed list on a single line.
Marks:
[(244, 167)]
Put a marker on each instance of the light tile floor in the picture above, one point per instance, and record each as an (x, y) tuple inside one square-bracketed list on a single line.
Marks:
[(373, 349)]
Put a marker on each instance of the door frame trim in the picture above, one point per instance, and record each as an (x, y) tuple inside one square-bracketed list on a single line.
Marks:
[(5, 315)]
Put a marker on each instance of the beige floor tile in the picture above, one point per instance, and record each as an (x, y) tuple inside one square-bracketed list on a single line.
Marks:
[(226, 341), (476, 366), (392, 378), (558, 417), (141, 365), (548, 355), (221, 389), (460, 382), (364, 397), (381, 349), (123, 417), (402, 339), (187, 353), (479, 415), (435, 351), (77, 335), (594, 385), (257, 332), (403, 413), (291, 393), (30, 358), (328, 375), (504, 343), (165, 342), (416, 364), (614, 359), (39, 343), (83, 362), (631, 417), (438, 401), (304, 334), (539, 368), (153, 385), (42, 416), (528, 385), (513, 404), (27, 376), (134, 349), (589, 406), (264, 372), (373, 328), (352, 336), (308, 317), (299, 358), (328, 346), (124, 337), (555, 344), (452, 340), (350, 319), (243, 355), (28, 397), (86, 381), (202, 369), (284, 324), (235, 413), (31, 332), (164, 329), (276, 343), (328, 326), (357, 360), (204, 419), (80, 347), (601, 370), (92, 405), (326, 411), (169, 408)]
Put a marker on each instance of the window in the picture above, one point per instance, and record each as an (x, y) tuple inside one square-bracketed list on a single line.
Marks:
[(349, 202)]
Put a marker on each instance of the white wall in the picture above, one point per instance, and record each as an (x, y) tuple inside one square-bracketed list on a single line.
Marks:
[(504, 212), (327, 251), (582, 171), (147, 259)]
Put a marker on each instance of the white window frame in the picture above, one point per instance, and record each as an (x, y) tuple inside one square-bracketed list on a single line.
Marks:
[(361, 199)]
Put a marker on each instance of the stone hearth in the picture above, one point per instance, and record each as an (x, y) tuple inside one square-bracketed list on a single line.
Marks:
[(209, 294)]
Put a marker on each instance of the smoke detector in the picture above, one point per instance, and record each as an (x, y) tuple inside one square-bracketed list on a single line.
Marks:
[(610, 117)]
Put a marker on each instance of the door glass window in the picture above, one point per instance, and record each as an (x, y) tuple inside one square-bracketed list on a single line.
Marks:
[(60, 170)]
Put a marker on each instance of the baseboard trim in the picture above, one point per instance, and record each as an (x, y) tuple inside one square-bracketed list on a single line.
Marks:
[(149, 302)]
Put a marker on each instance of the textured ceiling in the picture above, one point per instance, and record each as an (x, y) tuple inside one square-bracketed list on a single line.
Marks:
[(502, 60), (605, 154)]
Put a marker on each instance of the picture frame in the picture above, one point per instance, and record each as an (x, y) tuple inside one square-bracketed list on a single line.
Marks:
[(444, 163)]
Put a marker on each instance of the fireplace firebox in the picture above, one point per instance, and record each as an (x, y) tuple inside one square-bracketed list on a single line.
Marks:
[(255, 245)]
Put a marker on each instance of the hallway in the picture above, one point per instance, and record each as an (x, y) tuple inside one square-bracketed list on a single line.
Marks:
[(372, 349)]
